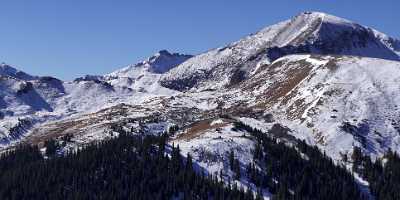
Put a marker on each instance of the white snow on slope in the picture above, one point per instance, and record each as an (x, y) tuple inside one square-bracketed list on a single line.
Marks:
[(43, 99), (309, 32), (337, 92), (340, 102), (7, 70), (210, 151), (144, 76)]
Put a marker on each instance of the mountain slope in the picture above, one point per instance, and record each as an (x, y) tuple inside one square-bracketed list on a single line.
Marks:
[(317, 77), (7, 70), (330, 99), (309, 32), (144, 76), (334, 101), (36, 100)]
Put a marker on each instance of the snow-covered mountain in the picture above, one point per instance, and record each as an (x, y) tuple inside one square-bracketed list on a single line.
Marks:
[(39, 99), (333, 101), (159, 63), (309, 32), (7, 70), (289, 69), (330, 81), (144, 76)]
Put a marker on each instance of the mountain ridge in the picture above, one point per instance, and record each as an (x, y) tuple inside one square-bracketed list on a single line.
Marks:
[(316, 77), (7, 70), (316, 33), (35, 99)]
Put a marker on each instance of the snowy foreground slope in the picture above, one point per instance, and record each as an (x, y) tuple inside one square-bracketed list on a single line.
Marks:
[(332, 82), (334, 102)]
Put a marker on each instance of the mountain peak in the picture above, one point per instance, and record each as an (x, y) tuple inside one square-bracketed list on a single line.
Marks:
[(307, 33), (322, 33), (163, 61), (6, 67), (163, 52), (159, 63), (7, 70), (325, 17), (312, 13)]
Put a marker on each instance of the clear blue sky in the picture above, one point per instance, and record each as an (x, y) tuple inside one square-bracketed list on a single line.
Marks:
[(70, 38)]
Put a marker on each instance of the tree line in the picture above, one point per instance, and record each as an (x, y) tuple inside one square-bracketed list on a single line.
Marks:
[(145, 167), (298, 171), (383, 175), (126, 167)]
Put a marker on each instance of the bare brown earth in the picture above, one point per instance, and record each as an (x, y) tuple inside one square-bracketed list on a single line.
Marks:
[(199, 128), (282, 78), (77, 127)]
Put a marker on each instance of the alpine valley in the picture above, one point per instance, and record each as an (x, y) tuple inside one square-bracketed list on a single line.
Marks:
[(264, 114)]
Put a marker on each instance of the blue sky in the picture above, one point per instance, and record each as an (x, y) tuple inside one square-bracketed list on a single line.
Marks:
[(68, 39)]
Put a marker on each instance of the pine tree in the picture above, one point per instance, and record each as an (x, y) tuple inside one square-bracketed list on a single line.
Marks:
[(189, 162), (51, 147), (231, 159), (125, 167), (236, 169)]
